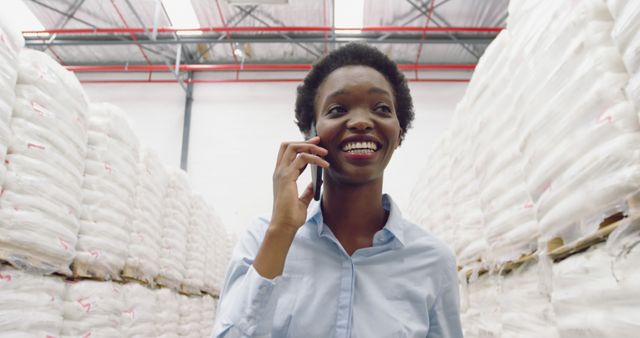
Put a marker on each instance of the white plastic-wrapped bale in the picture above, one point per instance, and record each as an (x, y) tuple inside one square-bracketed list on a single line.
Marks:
[(470, 243), (509, 215), (481, 317), (11, 42), (140, 309), (93, 309), (190, 316), (41, 200), (174, 233), (147, 225), (222, 247), (210, 270), (196, 244), (208, 315), (108, 190), (526, 310), (432, 199), (625, 35), (626, 16), (30, 305), (579, 132), (596, 295), (167, 313)]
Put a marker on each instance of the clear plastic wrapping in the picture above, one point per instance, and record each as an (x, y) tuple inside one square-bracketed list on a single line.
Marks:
[(139, 314), (45, 164), (147, 225), (30, 305), (196, 246), (174, 234), (93, 308), (167, 313), (190, 316), (595, 295), (108, 193)]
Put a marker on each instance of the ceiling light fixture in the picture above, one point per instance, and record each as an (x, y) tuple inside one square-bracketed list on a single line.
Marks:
[(20, 16), (348, 14), (182, 15)]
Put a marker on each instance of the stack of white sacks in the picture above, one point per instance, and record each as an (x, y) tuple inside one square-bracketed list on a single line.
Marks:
[(76, 189), (190, 316), (196, 246), (168, 313), (41, 200), (174, 233), (10, 45), (553, 156), (147, 224), (220, 247), (93, 309), (108, 193), (30, 305), (481, 311), (431, 201), (592, 294), (625, 35), (140, 309)]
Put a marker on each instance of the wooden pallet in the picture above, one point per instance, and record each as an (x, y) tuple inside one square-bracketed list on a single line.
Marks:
[(83, 270), (558, 250), (134, 274)]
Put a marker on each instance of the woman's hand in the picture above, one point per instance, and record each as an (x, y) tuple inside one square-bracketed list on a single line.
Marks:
[(290, 209)]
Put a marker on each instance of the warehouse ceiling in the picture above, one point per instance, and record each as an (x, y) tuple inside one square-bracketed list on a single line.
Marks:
[(126, 33)]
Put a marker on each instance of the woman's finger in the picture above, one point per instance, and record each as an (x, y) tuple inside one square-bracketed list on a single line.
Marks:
[(294, 149), (303, 159), (285, 145)]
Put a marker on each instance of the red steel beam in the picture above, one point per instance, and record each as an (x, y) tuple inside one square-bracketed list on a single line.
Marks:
[(132, 30), (247, 67)]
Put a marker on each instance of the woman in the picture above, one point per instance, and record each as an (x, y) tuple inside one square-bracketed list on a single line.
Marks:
[(349, 266)]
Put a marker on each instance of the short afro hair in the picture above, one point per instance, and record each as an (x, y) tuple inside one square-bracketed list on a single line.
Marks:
[(354, 54)]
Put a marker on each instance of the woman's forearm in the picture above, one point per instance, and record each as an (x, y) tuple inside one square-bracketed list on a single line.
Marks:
[(269, 261)]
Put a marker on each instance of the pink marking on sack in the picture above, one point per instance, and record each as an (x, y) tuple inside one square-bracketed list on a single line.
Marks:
[(85, 306), (64, 244), (87, 335), (8, 278), (107, 166), (33, 145), (52, 294), (130, 313), (528, 205), (95, 253), (605, 118), (38, 108)]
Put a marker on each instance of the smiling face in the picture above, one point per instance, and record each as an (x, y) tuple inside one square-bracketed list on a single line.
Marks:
[(357, 123)]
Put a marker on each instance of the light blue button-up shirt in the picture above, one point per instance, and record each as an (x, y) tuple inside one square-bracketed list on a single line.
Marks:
[(405, 285)]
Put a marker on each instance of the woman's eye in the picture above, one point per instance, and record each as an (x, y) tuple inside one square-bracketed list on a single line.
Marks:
[(382, 108), (336, 110)]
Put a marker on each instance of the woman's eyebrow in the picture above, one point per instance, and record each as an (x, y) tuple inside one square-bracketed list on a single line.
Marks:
[(378, 90)]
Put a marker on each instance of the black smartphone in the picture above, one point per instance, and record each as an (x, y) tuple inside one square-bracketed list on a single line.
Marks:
[(316, 172)]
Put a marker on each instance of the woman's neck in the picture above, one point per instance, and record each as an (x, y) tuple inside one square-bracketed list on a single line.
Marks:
[(354, 213)]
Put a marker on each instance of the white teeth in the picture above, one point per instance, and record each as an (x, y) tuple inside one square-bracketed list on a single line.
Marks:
[(360, 147)]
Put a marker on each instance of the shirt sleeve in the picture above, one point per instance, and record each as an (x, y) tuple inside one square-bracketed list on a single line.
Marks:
[(444, 316), (247, 305)]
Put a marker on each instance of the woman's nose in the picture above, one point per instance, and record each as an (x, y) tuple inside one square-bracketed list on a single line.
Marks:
[(359, 120)]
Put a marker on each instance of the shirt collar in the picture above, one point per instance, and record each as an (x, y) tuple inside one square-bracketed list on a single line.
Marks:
[(394, 225)]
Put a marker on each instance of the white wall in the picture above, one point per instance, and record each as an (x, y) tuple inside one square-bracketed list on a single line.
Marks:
[(237, 128)]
